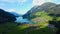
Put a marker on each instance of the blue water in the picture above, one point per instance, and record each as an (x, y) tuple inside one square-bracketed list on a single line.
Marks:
[(21, 20)]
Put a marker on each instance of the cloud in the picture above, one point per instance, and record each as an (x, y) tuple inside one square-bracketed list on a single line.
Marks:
[(10, 10), (39, 2), (22, 11), (14, 10), (58, 3)]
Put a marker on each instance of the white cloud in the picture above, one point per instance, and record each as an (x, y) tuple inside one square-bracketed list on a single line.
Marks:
[(49, 0), (39, 2), (11, 10), (22, 11), (14, 10), (58, 3)]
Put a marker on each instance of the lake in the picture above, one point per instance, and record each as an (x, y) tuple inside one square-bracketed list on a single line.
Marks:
[(21, 20)]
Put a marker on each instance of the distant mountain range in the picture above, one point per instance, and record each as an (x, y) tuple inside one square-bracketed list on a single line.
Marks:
[(16, 14), (47, 7)]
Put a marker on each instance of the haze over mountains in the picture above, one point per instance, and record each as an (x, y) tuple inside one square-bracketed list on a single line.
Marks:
[(16, 14)]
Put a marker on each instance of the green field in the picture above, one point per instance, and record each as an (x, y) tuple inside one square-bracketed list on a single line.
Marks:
[(13, 28)]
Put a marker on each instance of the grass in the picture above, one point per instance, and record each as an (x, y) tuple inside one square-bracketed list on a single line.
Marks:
[(58, 19), (42, 31), (12, 28)]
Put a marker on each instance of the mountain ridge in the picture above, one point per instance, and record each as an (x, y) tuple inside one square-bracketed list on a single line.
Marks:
[(6, 16), (44, 7)]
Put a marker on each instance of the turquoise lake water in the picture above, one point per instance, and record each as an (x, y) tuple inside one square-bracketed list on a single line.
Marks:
[(21, 20)]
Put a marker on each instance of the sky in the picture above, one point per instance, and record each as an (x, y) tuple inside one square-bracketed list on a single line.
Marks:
[(22, 6)]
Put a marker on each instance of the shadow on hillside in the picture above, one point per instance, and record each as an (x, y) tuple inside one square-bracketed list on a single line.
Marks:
[(57, 15), (55, 22), (57, 25)]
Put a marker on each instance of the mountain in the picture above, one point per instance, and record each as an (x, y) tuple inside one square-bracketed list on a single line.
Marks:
[(16, 14), (43, 7), (6, 16), (55, 9)]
